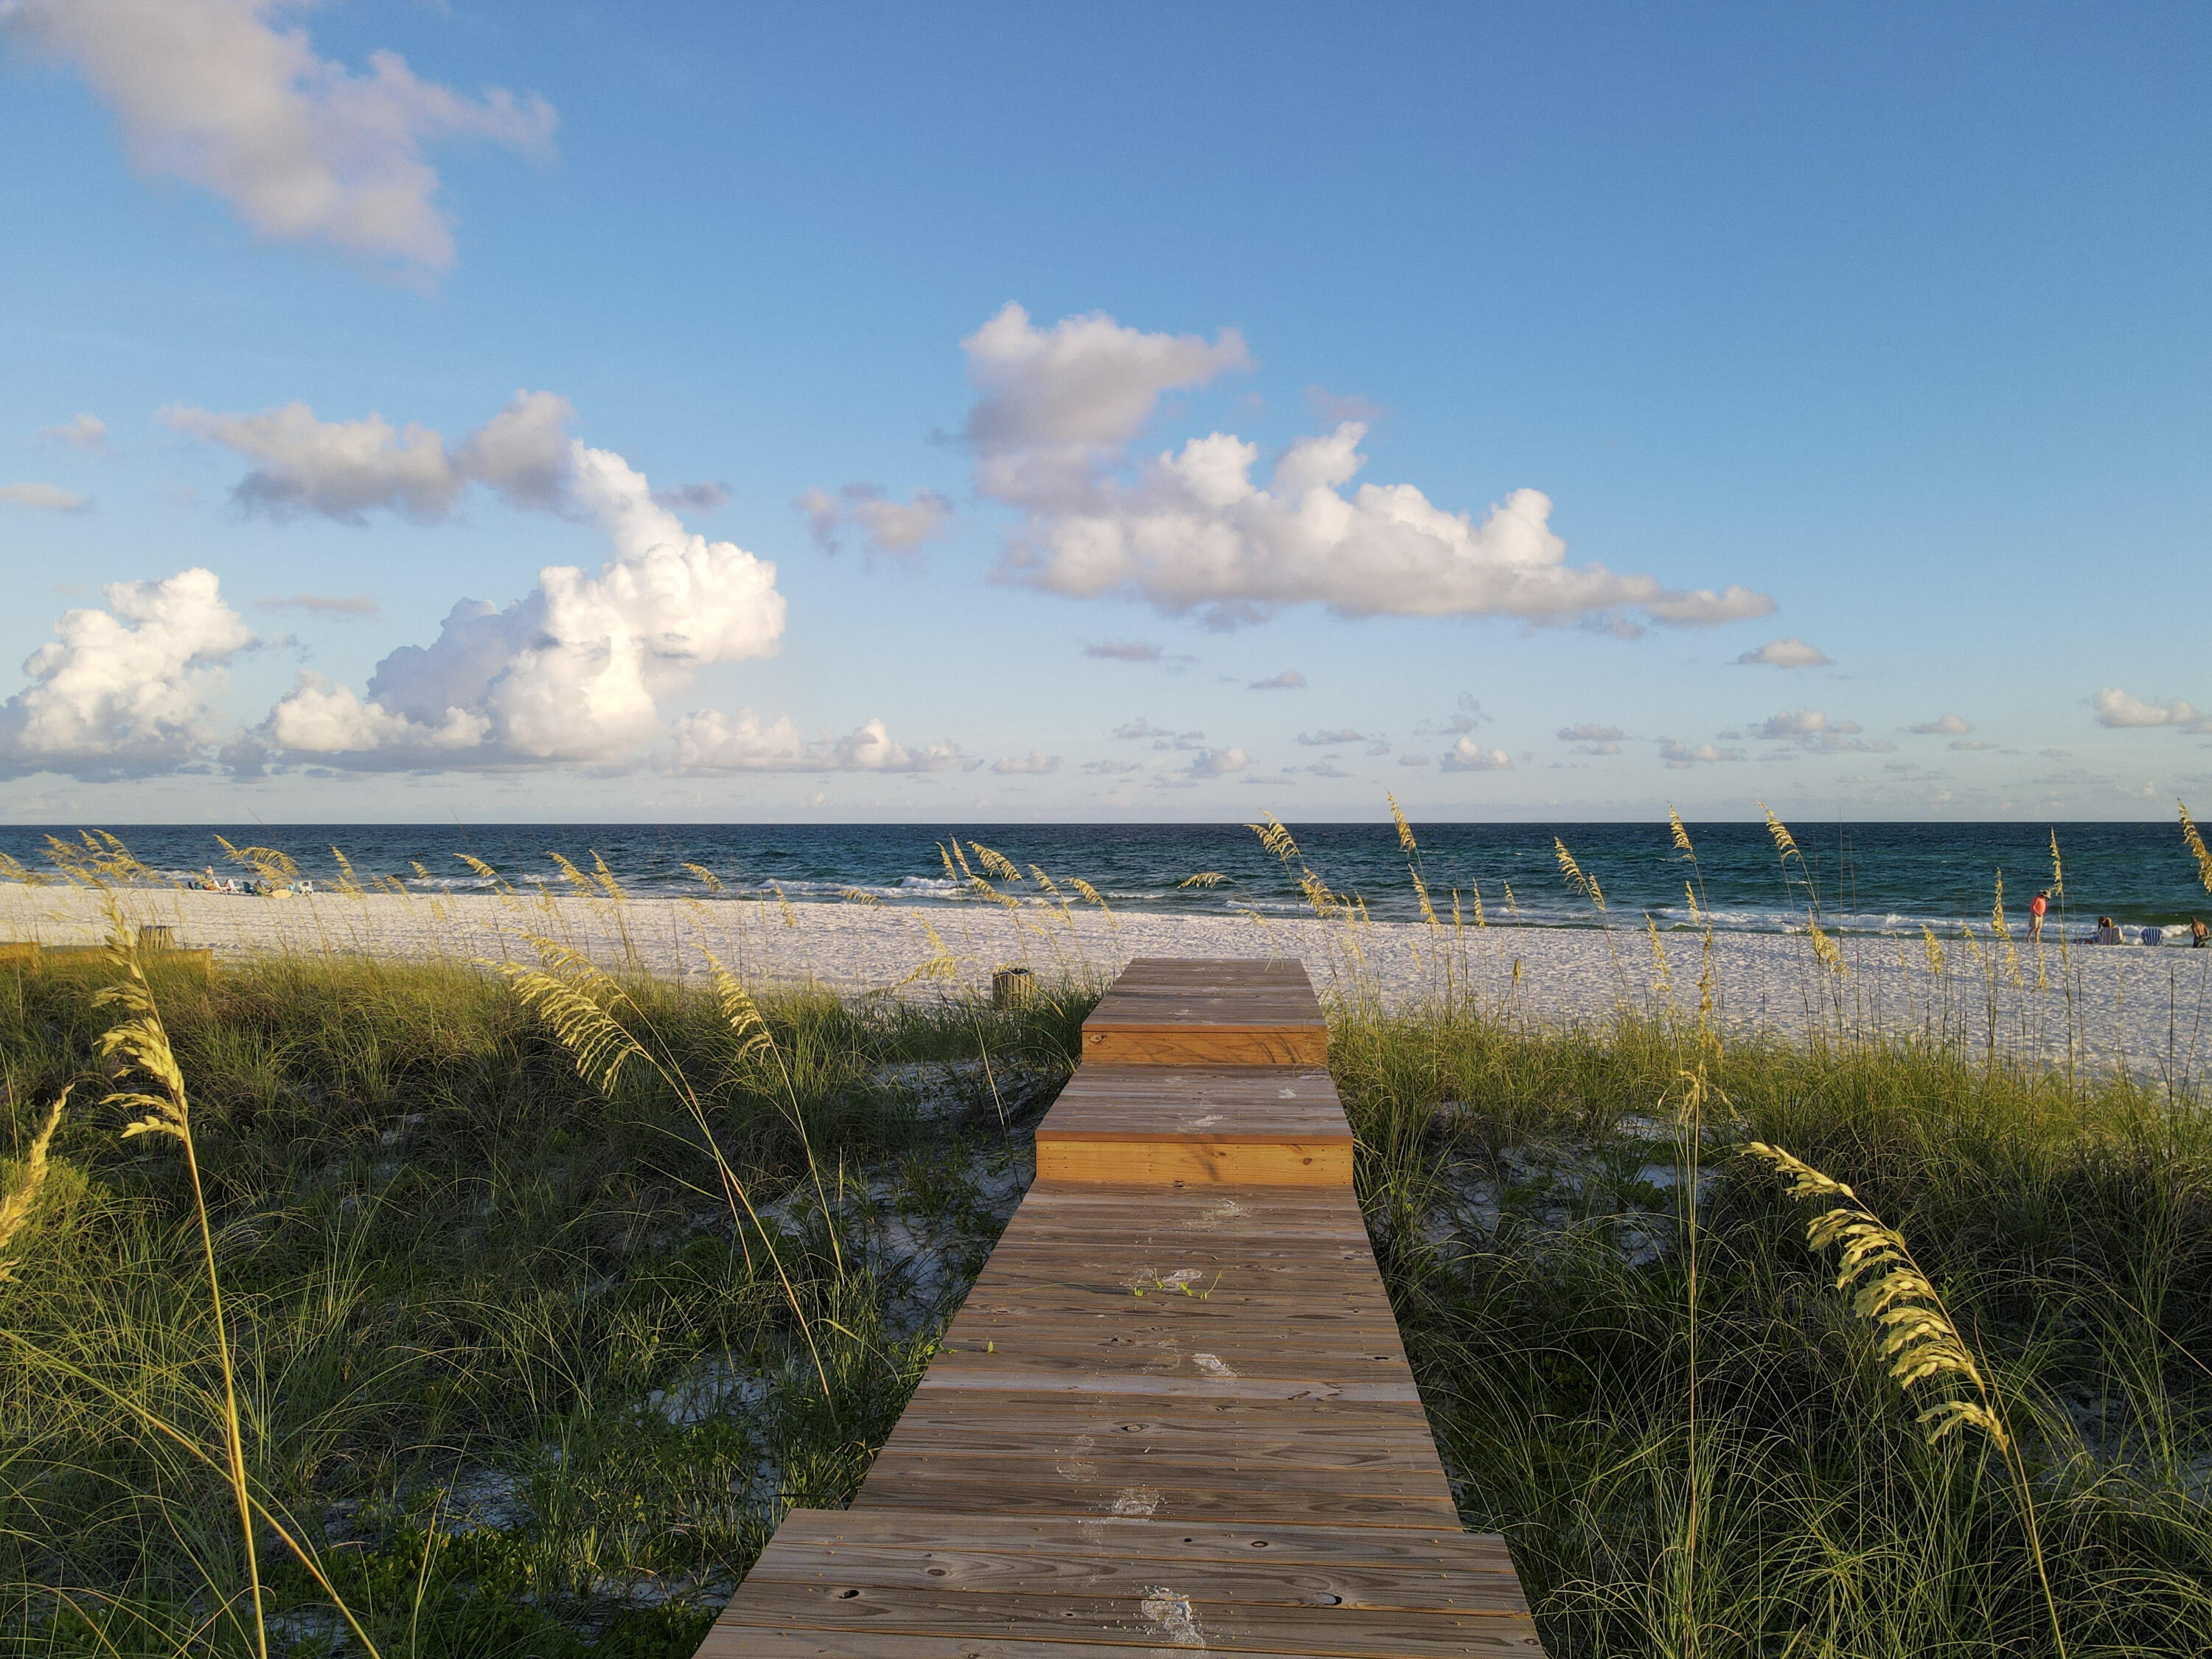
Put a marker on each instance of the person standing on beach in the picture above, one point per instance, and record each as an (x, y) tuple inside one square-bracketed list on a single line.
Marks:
[(2198, 933), (2037, 908)]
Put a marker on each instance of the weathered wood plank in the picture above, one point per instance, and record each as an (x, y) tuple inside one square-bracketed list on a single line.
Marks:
[(855, 1585), (1164, 1012), (1453, 1563), (1288, 1543), (1174, 1412)]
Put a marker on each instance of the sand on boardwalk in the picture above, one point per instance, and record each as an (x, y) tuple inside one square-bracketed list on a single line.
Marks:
[(2148, 1009)]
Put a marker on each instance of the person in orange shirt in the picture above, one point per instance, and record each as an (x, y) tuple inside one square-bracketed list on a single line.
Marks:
[(2036, 907)]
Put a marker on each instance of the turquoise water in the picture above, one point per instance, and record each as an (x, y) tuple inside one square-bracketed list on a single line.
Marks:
[(1867, 879)]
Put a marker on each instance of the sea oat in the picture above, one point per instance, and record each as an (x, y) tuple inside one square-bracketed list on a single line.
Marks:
[(17, 1208)]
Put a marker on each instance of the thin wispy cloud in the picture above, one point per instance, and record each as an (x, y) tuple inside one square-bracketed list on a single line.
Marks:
[(346, 470), (1680, 756), (885, 524), (1945, 726), (1792, 653), (1289, 680), (712, 742), (1591, 738), (704, 497), (43, 497), (1467, 715), (86, 431), (1124, 651), (333, 604), (302, 149)]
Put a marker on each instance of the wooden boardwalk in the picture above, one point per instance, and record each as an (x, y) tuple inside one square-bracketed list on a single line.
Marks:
[(1174, 1415)]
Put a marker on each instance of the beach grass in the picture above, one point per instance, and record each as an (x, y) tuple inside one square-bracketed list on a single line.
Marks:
[(505, 1365), (529, 1351)]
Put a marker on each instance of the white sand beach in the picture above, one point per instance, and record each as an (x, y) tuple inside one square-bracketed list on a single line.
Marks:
[(2148, 1009)]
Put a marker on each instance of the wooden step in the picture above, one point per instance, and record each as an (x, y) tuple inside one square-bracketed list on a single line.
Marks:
[(888, 1584), (1198, 1126), (1173, 1010)]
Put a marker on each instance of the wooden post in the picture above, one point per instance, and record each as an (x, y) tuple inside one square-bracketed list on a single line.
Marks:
[(1012, 988)]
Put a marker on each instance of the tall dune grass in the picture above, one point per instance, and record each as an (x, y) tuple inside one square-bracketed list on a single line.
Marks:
[(547, 1285)]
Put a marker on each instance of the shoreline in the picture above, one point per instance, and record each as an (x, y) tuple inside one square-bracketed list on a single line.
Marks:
[(2147, 1011)]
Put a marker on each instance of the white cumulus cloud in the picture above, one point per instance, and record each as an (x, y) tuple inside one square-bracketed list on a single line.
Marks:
[(1054, 432), (1327, 740), (1945, 726), (1217, 762), (218, 93), (319, 718), (2121, 710), (575, 670), (1035, 764), (1811, 729), (1680, 756), (1801, 723), (1792, 653), (1468, 755), (129, 689)]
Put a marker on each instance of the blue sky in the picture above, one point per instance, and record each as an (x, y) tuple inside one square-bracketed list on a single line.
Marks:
[(1872, 340)]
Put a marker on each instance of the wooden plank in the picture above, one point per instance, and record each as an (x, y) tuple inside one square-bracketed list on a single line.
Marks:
[(1048, 1427), (1460, 1563), (1195, 1163), (749, 1642), (864, 1584), (1219, 1045), (1214, 1125), (1245, 1101), (1087, 1479), (953, 1493), (1174, 1413), (1152, 1214), (1164, 1012), (1045, 1373)]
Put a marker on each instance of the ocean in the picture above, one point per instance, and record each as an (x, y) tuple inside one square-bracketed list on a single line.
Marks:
[(1878, 878)]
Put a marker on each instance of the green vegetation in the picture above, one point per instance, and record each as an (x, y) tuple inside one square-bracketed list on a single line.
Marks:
[(1737, 1473), (505, 1365), (547, 1291)]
